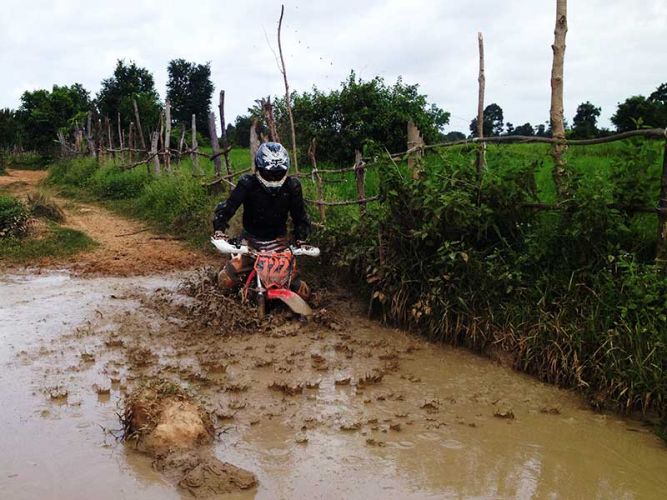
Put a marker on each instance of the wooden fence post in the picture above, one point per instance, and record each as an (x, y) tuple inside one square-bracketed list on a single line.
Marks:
[(213, 134), (130, 142), (180, 143), (254, 142), (415, 143), (661, 250), (194, 149), (138, 120), (317, 179), (225, 142), (481, 80), (167, 136), (560, 172), (89, 136), (360, 174), (121, 144), (155, 136)]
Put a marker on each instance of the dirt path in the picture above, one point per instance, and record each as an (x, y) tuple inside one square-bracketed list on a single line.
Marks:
[(126, 247)]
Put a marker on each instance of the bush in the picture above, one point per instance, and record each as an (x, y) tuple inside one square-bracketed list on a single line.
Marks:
[(14, 217), (176, 203), (76, 172), (114, 184), (570, 295)]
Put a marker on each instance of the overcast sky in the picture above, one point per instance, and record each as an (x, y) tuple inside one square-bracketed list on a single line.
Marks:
[(615, 48)]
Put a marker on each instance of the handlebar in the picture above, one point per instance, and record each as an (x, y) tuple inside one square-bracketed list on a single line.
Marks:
[(225, 246)]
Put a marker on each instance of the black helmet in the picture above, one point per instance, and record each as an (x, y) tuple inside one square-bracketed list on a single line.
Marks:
[(271, 165)]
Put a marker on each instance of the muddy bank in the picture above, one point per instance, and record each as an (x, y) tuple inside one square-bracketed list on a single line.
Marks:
[(341, 408)]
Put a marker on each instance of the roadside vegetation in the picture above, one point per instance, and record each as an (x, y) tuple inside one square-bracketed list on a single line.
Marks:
[(31, 231)]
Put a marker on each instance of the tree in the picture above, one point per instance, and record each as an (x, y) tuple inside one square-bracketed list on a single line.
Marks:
[(189, 90), (360, 113), (453, 136), (128, 82), (9, 128), (585, 121), (525, 129), (493, 121), (42, 114), (638, 111), (542, 131), (509, 128)]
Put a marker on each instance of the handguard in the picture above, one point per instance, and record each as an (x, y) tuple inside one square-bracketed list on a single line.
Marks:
[(225, 246)]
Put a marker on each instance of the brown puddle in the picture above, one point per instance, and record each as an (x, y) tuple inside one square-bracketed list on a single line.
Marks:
[(349, 410)]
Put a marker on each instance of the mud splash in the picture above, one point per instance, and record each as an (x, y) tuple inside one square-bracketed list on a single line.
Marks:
[(341, 408)]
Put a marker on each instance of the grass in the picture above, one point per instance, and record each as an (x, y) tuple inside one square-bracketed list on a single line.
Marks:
[(57, 242)]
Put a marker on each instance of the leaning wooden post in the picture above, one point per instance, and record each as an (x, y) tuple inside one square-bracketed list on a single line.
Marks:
[(167, 136), (196, 170), (121, 145), (267, 109), (155, 136), (138, 120), (213, 134), (360, 173), (481, 79), (560, 172), (180, 143), (223, 126), (317, 179), (661, 250), (288, 100)]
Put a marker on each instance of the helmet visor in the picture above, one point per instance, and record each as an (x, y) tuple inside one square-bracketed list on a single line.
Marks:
[(273, 175)]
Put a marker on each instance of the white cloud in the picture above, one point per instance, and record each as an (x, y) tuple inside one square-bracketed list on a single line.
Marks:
[(613, 49)]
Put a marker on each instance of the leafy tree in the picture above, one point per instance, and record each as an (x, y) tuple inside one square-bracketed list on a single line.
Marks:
[(585, 121), (493, 121), (454, 136), (189, 89), (9, 128), (129, 81), (43, 113), (525, 129), (360, 113), (509, 128), (542, 130), (659, 94), (638, 111)]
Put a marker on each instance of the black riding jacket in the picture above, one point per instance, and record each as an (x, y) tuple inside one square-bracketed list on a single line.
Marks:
[(265, 214)]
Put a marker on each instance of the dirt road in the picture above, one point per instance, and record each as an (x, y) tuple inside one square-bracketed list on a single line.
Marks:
[(127, 247), (338, 407)]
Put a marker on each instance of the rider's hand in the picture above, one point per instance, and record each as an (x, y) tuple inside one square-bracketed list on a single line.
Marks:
[(220, 235)]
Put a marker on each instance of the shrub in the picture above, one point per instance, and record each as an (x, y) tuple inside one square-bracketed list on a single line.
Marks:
[(41, 205), (109, 182), (76, 172), (13, 217)]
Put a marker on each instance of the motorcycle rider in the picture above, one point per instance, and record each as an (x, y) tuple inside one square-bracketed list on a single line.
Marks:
[(268, 196)]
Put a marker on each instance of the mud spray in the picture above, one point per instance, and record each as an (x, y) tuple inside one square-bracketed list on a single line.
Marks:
[(212, 401)]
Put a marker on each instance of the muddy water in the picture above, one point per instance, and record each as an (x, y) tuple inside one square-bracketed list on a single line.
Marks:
[(386, 415)]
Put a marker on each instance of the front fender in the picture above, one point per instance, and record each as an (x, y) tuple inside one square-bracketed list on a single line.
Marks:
[(293, 301)]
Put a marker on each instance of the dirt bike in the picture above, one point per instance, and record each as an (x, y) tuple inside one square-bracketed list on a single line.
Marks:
[(272, 272)]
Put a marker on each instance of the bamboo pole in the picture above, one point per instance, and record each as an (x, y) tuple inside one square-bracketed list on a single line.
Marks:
[(360, 175), (661, 250), (138, 120), (481, 80), (223, 126), (560, 172), (288, 102), (317, 178), (213, 134)]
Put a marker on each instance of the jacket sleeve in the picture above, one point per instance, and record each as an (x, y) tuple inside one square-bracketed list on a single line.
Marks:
[(298, 211), (226, 209)]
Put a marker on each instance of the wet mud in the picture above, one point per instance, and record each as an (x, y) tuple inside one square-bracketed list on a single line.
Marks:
[(338, 407)]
